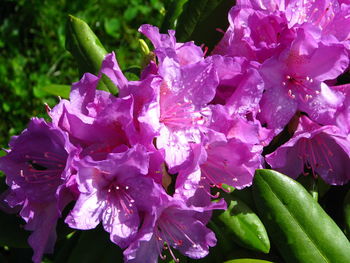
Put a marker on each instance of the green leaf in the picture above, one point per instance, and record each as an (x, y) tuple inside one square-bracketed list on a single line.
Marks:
[(87, 50), (244, 225), (84, 45), (247, 260), (315, 186), (173, 10), (227, 249), (95, 246), (201, 18), (12, 234), (57, 90), (296, 223), (347, 214)]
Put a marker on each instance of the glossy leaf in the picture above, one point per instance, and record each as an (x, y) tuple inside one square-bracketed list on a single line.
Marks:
[(247, 260), (244, 225), (296, 223), (84, 45), (200, 20), (87, 50)]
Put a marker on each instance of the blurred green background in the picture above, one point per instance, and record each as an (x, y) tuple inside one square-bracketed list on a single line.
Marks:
[(33, 55)]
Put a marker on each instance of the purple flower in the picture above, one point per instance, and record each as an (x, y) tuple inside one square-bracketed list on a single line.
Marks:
[(233, 150), (114, 191), (269, 5), (95, 120), (173, 225), (294, 80), (166, 46), (183, 94), (330, 16), (37, 168), (145, 108), (314, 149), (229, 154), (240, 85), (342, 115), (255, 34)]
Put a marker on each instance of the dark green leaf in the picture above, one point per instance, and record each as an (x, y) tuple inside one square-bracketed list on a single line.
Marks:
[(227, 249), (296, 223), (87, 49), (247, 260), (84, 45), (244, 225), (201, 18)]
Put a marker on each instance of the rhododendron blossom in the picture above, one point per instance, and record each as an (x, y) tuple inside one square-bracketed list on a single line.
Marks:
[(112, 191), (38, 167), (320, 150), (294, 80), (150, 164)]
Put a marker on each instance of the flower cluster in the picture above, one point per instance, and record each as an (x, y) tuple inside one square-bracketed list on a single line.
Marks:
[(300, 48), (148, 163)]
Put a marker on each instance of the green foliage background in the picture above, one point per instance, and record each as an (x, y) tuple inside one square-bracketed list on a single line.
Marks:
[(33, 55)]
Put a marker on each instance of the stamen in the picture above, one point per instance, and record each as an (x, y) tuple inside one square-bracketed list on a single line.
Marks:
[(296, 84), (313, 158), (220, 30), (43, 168), (167, 229), (124, 200), (47, 108)]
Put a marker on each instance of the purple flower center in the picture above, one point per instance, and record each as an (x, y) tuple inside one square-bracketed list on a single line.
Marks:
[(121, 198), (314, 153), (299, 85), (212, 169), (309, 11), (181, 115), (216, 171), (169, 230), (177, 111), (43, 168)]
